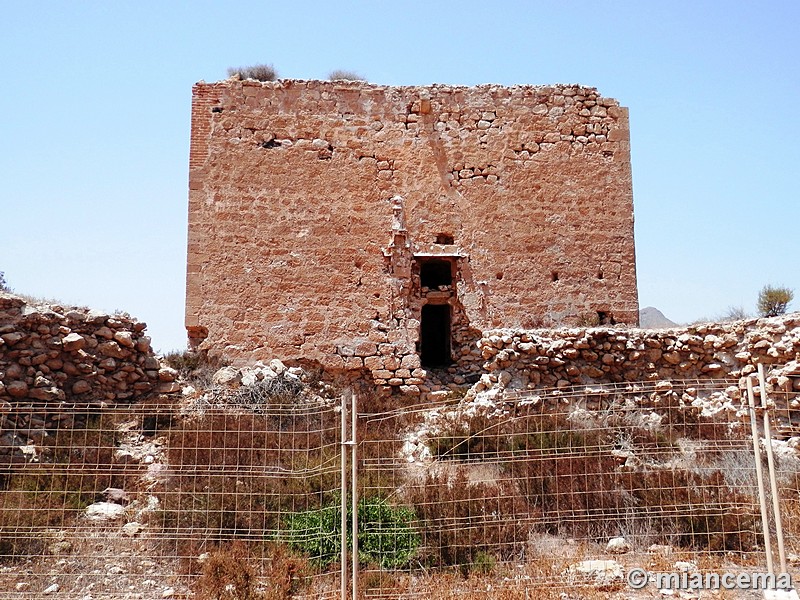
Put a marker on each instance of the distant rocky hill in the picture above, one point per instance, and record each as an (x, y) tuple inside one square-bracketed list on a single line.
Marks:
[(652, 318)]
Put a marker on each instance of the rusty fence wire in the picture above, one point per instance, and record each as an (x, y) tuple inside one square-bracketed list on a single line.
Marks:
[(455, 498)]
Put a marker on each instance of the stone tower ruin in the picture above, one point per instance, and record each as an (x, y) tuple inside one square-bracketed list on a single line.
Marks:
[(362, 226)]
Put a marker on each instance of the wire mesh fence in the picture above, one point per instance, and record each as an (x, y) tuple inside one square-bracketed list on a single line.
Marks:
[(237, 494)]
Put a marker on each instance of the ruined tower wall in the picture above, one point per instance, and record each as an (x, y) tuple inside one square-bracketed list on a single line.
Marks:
[(298, 250)]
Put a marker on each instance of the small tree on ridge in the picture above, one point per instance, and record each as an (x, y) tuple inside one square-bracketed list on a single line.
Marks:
[(773, 301)]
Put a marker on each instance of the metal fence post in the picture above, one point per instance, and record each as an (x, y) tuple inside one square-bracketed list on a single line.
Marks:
[(776, 501), (354, 486), (759, 475), (343, 507)]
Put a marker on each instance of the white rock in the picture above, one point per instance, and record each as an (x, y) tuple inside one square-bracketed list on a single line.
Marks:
[(132, 528), (266, 373), (618, 545), (96, 316), (226, 376), (602, 571), (663, 386), (248, 377), (52, 589), (277, 366), (73, 341), (168, 593), (124, 338), (685, 566), (660, 549), (167, 374), (101, 511)]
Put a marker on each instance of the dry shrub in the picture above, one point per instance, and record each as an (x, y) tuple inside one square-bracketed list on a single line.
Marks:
[(238, 475), (74, 465), (380, 442), (343, 74), (227, 574), (284, 574), (774, 300), (442, 586), (460, 519), (194, 367), (578, 477), (267, 394), (699, 509), (230, 572), (258, 72)]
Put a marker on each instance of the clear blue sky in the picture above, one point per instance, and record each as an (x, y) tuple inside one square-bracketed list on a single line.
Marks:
[(94, 126)]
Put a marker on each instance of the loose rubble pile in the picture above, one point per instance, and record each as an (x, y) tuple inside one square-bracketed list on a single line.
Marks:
[(562, 358), (55, 359), (259, 371)]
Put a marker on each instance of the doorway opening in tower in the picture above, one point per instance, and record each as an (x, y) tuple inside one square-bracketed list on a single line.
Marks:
[(435, 335)]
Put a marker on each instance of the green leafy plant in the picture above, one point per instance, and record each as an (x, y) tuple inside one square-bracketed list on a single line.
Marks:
[(773, 301), (483, 563), (385, 535)]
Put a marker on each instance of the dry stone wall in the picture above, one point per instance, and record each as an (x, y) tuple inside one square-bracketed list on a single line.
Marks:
[(314, 206), (562, 358), (56, 359)]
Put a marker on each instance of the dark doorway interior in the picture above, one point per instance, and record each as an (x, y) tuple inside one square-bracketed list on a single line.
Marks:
[(435, 335), (435, 272)]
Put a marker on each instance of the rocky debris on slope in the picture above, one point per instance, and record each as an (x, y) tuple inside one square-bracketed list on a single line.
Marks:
[(108, 554), (255, 386), (248, 375), (103, 511)]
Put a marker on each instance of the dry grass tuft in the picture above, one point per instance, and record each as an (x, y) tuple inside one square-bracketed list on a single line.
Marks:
[(261, 72), (345, 75)]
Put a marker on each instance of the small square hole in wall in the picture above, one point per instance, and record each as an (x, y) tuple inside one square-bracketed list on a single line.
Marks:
[(435, 272), (600, 274), (445, 238), (554, 276)]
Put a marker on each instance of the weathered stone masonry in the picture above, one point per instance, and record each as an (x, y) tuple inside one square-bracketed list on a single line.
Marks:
[(364, 226), (56, 362)]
